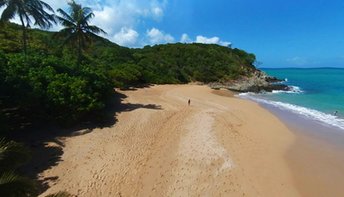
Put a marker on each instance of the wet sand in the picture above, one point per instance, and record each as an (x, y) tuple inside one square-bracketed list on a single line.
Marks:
[(218, 146), (316, 157)]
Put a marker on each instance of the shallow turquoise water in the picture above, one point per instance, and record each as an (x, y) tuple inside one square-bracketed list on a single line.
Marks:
[(317, 94), (321, 88)]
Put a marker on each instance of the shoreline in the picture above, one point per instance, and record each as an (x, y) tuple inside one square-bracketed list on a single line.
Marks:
[(220, 145), (316, 157)]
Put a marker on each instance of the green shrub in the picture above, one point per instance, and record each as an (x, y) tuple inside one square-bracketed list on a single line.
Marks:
[(12, 156), (54, 88)]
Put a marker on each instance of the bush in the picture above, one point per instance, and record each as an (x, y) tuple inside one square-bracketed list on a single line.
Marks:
[(125, 75), (53, 88)]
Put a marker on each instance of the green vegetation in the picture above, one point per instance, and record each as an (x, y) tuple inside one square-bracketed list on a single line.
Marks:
[(52, 88), (52, 81), (26, 11), (64, 77), (12, 156), (182, 63), (77, 28)]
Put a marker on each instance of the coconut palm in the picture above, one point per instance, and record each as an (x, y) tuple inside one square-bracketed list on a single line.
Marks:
[(77, 29), (12, 156), (27, 10)]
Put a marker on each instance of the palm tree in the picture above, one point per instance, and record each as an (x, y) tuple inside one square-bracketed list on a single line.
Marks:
[(28, 10), (77, 29), (12, 156)]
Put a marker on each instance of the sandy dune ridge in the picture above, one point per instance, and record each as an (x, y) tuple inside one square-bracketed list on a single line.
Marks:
[(218, 146)]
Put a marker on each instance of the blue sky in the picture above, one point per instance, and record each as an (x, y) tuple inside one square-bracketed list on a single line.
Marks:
[(282, 33)]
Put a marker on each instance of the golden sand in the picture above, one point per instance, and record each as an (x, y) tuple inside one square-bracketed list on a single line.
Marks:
[(218, 146)]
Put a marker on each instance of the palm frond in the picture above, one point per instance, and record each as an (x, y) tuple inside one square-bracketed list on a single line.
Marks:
[(9, 12), (36, 10), (86, 11), (77, 29), (12, 155), (45, 20), (66, 31), (66, 23), (46, 6), (75, 9), (14, 185), (40, 19), (87, 18), (64, 16), (2, 3), (95, 29), (28, 10)]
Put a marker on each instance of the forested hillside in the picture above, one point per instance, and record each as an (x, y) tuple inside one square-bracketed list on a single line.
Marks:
[(170, 63), (50, 80)]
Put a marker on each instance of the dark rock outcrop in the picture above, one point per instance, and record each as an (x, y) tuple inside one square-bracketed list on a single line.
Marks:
[(258, 82)]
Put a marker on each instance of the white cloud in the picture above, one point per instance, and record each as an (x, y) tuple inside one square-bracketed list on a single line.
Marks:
[(156, 36), (226, 44), (157, 12), (204, 40), (185, 39), (113, 15), (212, 40), (120, 18), (126, 37)]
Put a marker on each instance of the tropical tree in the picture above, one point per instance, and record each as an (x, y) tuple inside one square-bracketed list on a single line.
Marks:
[(26, 11), (12, 156), (77, 29)]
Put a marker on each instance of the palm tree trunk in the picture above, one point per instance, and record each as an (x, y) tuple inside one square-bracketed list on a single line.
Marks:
[(79, 50), (24, 35)]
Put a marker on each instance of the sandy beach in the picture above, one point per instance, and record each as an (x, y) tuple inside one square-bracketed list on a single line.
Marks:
[(220, 145)]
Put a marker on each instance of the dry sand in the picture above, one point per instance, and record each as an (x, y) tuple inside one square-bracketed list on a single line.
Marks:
[(218, 146)]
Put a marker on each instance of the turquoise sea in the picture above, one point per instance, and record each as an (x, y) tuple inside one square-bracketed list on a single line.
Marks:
[(317, 94)]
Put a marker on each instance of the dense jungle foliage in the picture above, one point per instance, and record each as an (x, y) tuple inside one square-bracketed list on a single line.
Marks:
[(50, 81)]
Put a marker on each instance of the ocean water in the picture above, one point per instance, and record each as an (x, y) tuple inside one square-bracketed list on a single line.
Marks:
[(317, 94)]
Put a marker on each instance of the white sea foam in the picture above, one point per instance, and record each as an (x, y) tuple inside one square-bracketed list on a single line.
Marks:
[(293, 90), (321, 117)]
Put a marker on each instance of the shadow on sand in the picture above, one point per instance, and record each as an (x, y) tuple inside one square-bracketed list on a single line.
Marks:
[(46, 142)]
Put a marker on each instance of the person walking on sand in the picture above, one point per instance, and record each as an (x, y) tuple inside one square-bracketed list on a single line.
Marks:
[(189, 102)]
